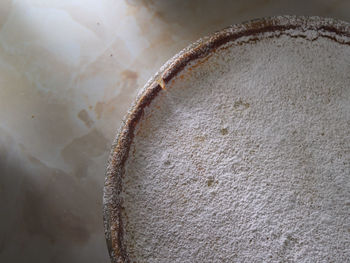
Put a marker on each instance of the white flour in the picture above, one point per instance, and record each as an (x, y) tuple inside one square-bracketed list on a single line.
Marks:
[(245, 158)]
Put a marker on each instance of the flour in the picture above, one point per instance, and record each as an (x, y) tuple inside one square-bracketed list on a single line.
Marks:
[(245, 157)]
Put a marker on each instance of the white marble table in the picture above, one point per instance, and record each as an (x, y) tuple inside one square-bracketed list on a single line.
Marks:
[(69, 70)]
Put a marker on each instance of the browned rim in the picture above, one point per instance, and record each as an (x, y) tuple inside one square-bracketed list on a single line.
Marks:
[(326, 27)]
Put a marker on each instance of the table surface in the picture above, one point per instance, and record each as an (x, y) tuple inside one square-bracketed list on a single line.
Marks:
[(69, 71)]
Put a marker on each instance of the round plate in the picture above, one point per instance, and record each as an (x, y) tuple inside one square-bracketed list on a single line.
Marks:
[(238, 149)]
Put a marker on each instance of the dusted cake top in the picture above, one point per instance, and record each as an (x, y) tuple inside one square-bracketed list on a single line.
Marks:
[(244, 156)]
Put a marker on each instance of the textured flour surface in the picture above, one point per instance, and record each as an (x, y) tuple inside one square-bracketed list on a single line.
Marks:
[(245, 158)]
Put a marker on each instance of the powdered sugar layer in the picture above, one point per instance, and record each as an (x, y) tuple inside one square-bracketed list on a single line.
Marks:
[(245, 157)]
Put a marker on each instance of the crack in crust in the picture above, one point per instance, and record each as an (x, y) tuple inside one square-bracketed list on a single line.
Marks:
[(329, 28)]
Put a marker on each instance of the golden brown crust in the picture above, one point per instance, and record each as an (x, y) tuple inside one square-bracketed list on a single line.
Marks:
[(121, 147), (115, 170)]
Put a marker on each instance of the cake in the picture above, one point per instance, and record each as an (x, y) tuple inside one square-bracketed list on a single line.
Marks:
[(238, 150)]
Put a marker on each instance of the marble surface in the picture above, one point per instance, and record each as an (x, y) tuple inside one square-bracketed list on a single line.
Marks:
[(69, 69)]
